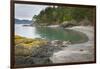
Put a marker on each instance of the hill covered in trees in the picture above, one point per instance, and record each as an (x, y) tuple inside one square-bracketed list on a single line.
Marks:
[(18, 21), (59, 14)]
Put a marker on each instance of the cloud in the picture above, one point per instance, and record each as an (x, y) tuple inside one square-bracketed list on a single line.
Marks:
[(26, 11)]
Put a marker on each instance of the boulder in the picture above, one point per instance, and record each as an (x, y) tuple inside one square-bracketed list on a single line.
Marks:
[(66, 43), (56, 43), (60, 43)]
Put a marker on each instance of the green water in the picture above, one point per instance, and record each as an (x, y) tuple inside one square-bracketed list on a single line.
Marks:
[(61, 34), (50, 33)]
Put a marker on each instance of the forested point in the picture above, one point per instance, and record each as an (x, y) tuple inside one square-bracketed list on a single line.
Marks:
[(57, 15)]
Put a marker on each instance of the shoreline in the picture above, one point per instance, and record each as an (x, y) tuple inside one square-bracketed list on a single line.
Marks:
[(83, 51), (58, 54)]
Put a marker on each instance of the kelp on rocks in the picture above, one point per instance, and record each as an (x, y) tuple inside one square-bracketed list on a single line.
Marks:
[(24, 46), (33, 51)]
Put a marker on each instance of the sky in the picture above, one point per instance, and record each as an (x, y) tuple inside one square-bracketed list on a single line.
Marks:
[(26, 11)]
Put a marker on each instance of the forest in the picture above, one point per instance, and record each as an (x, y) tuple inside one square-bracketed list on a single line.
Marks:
[(58, 14)]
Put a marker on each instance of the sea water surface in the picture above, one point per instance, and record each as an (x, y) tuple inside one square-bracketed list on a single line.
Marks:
[(49, 33)]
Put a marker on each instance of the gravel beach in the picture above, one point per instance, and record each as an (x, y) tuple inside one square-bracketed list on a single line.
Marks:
[(81, 52)]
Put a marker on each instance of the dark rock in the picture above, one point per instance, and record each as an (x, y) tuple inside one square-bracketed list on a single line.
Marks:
[(40, 55), (81, 50), (44, 51), (37, 60), (20, 60)]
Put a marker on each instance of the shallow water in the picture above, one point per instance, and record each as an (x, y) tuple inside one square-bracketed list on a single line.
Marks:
[(49, 33)]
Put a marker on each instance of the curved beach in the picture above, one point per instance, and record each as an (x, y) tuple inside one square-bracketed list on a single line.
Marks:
[(81, 52)]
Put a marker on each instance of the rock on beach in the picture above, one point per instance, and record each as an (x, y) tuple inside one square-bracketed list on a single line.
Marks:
[(81, 52)]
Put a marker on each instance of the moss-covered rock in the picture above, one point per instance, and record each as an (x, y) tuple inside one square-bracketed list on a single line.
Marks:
[(24, 46), (33, 51), (22, 51)]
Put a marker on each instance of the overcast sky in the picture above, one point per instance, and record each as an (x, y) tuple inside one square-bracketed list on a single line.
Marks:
[(26, 11)]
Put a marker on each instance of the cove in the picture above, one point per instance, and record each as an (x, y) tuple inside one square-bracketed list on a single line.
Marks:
[(50, 33)]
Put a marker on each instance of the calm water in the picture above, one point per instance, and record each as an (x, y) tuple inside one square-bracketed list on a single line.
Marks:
[(49, 33)]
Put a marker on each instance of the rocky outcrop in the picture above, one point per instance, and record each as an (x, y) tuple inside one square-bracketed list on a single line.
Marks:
[(68, 24), (60, 43), (66, 43), (36, 51), (56, 43), (39, 55)]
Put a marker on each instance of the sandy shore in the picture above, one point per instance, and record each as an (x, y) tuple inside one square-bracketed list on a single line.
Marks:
[(53, 26), (77, 52)]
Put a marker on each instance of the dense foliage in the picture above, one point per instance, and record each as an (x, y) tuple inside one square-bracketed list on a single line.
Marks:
[(59, 14)]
